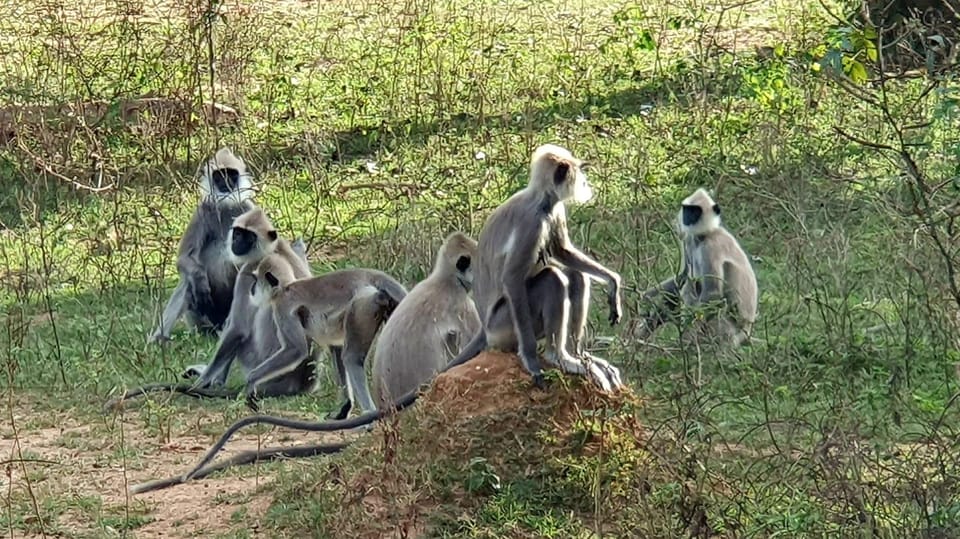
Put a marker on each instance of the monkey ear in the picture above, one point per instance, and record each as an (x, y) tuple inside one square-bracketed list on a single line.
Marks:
[(561, 172), (716, 209), (272, 235), (463, 264), (271, 279)]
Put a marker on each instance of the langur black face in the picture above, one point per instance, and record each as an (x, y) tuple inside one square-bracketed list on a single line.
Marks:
[(691, 215), (225, 180), (243, 241), (464, 275)]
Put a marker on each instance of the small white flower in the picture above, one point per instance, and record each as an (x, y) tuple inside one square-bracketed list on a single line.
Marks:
[(480, 156)]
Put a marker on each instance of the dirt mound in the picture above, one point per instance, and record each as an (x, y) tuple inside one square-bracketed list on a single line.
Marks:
[(479, 431), (491, 382)]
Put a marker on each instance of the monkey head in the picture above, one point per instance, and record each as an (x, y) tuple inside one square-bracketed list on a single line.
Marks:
[(699, 214), (554, 170), (224, 179), (456, 259), (272, 274), (252, 237)]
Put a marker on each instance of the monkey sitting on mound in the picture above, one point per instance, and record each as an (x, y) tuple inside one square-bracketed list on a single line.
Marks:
[(716, 270)]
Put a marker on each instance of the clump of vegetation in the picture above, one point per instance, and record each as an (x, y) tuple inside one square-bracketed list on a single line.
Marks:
[(484, 454), (376, 128)]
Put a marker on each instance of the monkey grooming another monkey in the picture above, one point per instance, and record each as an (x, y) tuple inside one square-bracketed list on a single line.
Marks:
[(249, 333), (205, 291), (716, 270), (530, 282), (430, 326)]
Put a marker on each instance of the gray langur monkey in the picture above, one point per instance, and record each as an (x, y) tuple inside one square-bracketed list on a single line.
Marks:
[(249, 334), (715, 270), (430, 326), (343, 309), (205, 291), (530, 282)]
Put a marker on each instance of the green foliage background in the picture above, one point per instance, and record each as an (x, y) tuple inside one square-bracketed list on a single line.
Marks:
[(376, 128)]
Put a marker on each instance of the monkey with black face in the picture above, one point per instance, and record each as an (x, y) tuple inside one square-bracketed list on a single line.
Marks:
[(430, 326), (530, 283), (716, 272), (249, 333), (205, 291)]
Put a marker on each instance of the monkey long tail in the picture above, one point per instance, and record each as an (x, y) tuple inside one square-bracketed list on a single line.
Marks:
[(183, 389), (245, 457), (470, 351)]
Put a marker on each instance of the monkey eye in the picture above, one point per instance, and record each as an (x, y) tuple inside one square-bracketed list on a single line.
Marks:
[(561, 172), (463, 264), (272, 235)]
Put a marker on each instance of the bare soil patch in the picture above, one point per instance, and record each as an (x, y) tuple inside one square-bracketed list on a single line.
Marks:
[(74, 461)]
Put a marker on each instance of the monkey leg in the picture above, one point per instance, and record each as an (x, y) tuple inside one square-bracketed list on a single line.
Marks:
[(294, 349), (664, 302), (548, 294), (361, 323), (343, 409), (174, 309), (578, 293)]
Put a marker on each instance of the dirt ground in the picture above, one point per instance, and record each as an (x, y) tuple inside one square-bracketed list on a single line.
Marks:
[(74, 462)]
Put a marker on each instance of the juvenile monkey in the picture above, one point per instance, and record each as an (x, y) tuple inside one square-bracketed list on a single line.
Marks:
[(430, 326), (530, 282), (205, 291), (715, 270), (343, 309)]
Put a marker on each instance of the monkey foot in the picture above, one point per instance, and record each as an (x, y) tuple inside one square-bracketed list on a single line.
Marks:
[(194, 371), (602, 372)]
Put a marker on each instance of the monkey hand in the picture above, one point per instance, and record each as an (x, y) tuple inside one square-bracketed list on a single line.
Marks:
[(532, 365), (616, 308), (253, 402), (201, 296), (194, 371)]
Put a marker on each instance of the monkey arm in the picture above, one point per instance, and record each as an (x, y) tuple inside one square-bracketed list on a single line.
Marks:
[(577, 260), (513, 279), (711, 284), (230, 343), (294, 347)]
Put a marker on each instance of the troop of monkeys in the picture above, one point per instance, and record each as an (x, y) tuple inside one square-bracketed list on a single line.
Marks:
[(529, 284)]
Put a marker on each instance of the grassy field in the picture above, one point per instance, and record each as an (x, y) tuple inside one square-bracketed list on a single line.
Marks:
[(376, 128)]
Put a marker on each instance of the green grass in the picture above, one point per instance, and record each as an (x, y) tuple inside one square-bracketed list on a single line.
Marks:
[(376, 129)]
